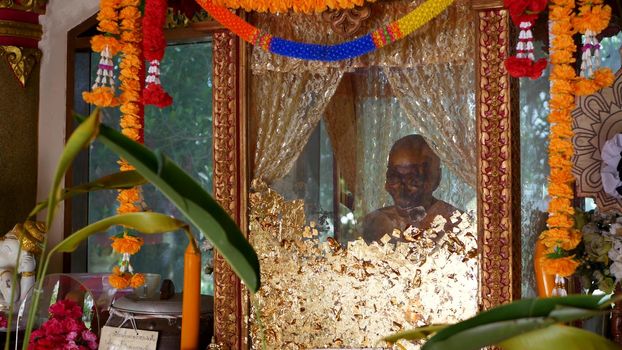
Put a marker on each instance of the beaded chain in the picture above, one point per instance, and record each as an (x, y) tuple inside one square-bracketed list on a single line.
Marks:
[(377, 39)]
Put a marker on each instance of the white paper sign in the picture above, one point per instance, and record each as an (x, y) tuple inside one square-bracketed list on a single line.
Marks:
[(113, 338)]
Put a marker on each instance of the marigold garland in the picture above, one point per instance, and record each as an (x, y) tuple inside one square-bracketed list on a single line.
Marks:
[(561, 235), (592, 19), (301, 6), (102, 92)]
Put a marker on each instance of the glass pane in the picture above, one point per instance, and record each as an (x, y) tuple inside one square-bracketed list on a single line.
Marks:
[(359, 234), (184, 133)]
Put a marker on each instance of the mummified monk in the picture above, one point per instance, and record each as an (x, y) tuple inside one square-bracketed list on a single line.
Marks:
[(413, 173)]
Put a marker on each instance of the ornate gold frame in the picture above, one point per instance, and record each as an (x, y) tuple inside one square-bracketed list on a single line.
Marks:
[(498, 167)]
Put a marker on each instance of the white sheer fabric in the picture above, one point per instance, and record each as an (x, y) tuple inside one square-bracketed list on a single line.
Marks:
[(285, 109), (439, 100)]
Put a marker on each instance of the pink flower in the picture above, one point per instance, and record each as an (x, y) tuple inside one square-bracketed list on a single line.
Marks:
[(3, 320), (64, 330)]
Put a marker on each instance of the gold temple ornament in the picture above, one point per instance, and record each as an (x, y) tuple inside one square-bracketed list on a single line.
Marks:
[(22, 61)]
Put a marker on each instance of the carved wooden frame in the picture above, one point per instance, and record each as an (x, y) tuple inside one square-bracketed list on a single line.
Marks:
[(498, 167)]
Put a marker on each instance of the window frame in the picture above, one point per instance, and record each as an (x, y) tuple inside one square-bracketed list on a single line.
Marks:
[(78, 42)]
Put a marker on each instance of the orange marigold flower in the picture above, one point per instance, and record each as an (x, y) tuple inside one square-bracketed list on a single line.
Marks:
[(558, 176), (562, 130), (118, 281), (108, 26), (560, 221), (125, 208), (131, 133), (138, 279), (106, 13), (124, 3), (573, 241), (98, 42), (563, 42), (553, 237), (561, 205), (564, 267), (130, 108), (131, 195), (558, 116), (130, 96), (586, 87), (130, 61), (563, 190), (603, 77), (595, 18), (563, 72), (131, 37), (101, 96), (127, 244), (131, 49)]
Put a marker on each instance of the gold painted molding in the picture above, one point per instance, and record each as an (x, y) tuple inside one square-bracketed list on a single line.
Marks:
[(498, 163), (37, 6), (20, 29), (21, 61), (486, 4)]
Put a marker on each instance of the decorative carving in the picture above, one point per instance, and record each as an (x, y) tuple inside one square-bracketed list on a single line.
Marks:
[(21, 61), (497, 172), (228, 289), (20, 29), (596, 119), (37, 6), (347, 22)]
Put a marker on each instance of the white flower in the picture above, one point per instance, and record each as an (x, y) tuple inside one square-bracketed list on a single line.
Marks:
[(615, 253)]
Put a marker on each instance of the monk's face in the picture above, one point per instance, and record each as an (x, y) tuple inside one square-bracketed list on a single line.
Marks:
[(412, 176)]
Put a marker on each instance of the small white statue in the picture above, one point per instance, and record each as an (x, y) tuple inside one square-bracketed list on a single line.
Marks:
[(30, 235)]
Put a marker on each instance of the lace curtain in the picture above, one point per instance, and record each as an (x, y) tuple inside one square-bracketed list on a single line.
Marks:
[(285, 108), (427, 88), (440, 103)]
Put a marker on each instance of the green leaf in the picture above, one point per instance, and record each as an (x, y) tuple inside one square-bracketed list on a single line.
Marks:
[(559, 337), (414, 334), (193, 201), (116, 181), (80, 138), (526, 308), (145, 222), (480, 336)]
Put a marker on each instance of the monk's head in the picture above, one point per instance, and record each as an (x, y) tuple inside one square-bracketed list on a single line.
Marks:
[(413, 172)]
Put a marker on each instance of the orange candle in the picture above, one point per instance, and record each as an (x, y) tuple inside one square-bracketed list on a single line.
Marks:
[(544, 281), (191, 300)]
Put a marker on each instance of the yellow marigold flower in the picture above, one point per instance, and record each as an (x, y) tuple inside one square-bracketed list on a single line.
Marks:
[(551, 238), (563, 72), (130, 96), (131, 37), (561, 205), (564, 267), (603, 77), (127, 244)]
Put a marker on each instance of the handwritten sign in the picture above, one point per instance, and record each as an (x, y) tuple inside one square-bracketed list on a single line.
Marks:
[(113, 338)]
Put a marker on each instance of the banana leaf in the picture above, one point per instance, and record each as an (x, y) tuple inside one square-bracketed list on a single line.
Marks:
[(192, 200), (145, 222), (504, 322), (559, 337), (414, 334), (116, 181), (84, 134)]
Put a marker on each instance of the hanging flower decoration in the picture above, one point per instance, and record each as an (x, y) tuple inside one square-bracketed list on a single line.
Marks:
[(592, 19), (301, 6), (132, 123), (103, 92), (524, 14), (154, 45), (561, 235), (377, 39)]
